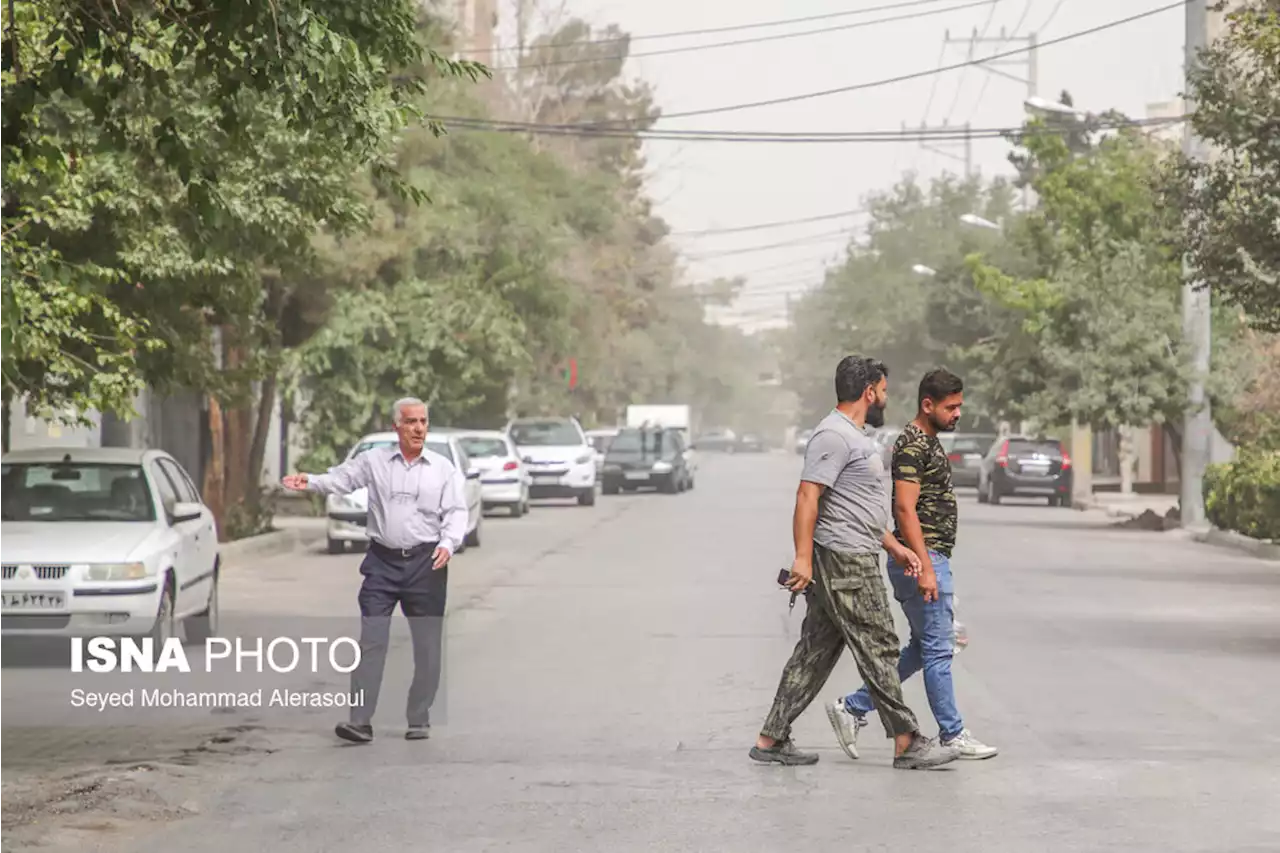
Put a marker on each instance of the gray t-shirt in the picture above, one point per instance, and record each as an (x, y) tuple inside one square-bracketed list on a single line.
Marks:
[(853, 513)]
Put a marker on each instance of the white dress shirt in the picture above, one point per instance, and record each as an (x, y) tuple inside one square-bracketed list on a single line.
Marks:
[(410, 503)]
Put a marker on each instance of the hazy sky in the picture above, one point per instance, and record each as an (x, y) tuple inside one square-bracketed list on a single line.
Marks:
[(707, 185)]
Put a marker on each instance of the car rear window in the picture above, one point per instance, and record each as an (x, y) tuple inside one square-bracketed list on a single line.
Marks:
[(1027, 448)]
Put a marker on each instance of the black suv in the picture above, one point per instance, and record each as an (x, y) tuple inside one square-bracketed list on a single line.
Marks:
[(1031, 467), (646, 458)]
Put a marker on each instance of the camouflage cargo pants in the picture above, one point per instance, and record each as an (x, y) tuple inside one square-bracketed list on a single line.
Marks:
[(848, 606)]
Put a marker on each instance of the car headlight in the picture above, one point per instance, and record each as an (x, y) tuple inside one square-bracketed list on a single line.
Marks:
[(584, 459), (661, 467), (116, 572)]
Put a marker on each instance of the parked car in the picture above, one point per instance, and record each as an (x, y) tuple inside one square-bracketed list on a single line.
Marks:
[(886, 437), (504, 479), (802, 441), (1020, 466), (749, 442), (966, 451), (718, 440), (599, 440), (106, 541), (349, 514), (559, 458), (644, 458)]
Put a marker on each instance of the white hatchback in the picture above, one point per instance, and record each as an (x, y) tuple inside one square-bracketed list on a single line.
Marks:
[(348, 515), (106, 541), (504, 480)]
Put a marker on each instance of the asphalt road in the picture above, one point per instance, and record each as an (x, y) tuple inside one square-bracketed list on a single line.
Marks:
[(610, 666)]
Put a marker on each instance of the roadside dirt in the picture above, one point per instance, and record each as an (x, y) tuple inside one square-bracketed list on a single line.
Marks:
[(85, 789)]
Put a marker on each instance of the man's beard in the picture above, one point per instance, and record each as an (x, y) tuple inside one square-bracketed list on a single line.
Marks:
[(875, 416), (941, 425)]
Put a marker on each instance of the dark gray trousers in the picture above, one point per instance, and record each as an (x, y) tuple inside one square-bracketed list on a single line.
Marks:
[(391, 578)]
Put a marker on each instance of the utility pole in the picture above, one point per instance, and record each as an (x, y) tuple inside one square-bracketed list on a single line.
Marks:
[(1197, 425), (964, 129), (1029, 60)]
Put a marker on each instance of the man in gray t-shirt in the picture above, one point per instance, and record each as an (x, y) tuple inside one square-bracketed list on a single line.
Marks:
[(853, 512), (841, 524)]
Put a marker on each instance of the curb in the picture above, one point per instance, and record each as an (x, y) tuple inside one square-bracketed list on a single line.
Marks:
[(280, 541), (1209, 536), (1230, 539)]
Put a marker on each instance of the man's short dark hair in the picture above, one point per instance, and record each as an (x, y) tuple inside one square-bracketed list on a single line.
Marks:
[(854, 373), (937, 385)]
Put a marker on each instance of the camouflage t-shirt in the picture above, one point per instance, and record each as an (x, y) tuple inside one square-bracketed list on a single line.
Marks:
[(920, 458)]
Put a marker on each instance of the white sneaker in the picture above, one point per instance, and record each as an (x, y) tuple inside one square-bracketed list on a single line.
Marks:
[(846, 726), (970, 747)]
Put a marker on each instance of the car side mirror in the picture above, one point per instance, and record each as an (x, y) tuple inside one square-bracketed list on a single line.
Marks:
[(186, 511), (473, 473)]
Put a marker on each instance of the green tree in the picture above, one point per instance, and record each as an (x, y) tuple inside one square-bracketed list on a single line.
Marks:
[(159, 160), (1232, 204)]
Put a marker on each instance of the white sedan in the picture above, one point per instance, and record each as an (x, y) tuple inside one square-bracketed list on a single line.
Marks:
[(504, 480), (106, 541), (348, 514)]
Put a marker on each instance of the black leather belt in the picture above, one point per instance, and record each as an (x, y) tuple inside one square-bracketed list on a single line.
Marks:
[(402, 553)]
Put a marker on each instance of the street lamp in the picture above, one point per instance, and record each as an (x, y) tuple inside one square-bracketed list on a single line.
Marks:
[(1041, 105), (921, 269), (974, 219)]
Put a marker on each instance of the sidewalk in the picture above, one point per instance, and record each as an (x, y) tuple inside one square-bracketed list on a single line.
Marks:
[(1159, 512)]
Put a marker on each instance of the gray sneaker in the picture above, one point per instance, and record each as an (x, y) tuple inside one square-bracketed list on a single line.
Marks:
[(925, 754), (846, 726), (783, 752)]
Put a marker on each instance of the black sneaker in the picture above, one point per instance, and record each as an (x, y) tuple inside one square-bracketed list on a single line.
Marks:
[(925, 754), (354, 732), (783, 752), (418, 733)]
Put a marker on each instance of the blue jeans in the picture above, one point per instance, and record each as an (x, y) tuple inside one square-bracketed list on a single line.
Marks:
[(930, 648)]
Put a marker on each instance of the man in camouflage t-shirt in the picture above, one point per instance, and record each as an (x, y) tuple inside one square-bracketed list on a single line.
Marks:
[(925, 516)]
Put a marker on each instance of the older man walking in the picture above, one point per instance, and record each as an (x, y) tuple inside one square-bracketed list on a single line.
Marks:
[(417, 520)]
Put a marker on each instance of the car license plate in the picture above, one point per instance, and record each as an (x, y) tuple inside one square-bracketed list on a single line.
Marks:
[(32, 600), (546, 479), (1039, 469), (637, 475)]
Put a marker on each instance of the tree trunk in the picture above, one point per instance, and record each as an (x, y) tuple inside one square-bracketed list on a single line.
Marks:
[(258, 446), (6, 420), (1127, 460), (239, 428), (214, 482)]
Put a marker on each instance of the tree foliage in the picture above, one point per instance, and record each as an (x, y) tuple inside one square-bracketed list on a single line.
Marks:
[(162, 158), (1232, 224)]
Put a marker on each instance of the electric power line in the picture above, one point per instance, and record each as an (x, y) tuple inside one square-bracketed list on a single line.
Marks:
[(1052, 14), (900, 135), (801, 241), (738, 229), (714, 30), (901, 78), (910, 16)]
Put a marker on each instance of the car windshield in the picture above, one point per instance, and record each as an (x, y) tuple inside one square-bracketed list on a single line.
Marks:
[(441, 447), (978, 444), (633, 442), (545, 434), (485, 447), (81, 491), (370, 445)]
